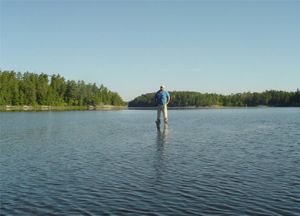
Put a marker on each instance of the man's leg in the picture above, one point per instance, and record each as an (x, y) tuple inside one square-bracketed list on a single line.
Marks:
[(165, 113), (158, 115)]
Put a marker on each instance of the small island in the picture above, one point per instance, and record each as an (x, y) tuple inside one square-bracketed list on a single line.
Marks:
[(188, 99)]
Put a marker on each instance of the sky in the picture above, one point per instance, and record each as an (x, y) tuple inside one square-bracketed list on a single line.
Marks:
[(132, 47)]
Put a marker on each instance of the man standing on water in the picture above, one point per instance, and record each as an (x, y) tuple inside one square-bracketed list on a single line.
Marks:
[(162, 99)]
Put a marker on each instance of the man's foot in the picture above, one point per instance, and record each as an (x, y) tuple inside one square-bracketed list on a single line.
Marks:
[(157, 123)]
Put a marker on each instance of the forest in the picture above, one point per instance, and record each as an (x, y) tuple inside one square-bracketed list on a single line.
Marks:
[(196, 99), (54, 90), (42, 89)]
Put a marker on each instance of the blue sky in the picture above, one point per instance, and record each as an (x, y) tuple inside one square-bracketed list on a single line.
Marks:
[(134, 46)]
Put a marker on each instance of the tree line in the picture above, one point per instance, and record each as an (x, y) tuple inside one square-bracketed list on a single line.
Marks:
[(197, 99), (41, 89)]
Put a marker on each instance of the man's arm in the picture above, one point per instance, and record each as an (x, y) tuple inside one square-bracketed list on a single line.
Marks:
[(169, 98)]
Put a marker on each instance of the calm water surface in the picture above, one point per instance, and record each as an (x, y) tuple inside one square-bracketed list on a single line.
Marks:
[(216, 161)]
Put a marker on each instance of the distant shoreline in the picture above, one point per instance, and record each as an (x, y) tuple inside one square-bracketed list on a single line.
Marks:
[(197, 108), (210, 107), (25, 108), (43, 108)]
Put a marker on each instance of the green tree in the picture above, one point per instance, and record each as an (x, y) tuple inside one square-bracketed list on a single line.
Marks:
[(57, 90), (42, 88), (9, 88), (28, 88), (71, 94)]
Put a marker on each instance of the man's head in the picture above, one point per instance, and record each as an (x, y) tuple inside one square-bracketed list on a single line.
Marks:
[(162, 87)]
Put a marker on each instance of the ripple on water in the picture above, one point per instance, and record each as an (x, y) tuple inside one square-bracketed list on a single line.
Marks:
[(222, 162)]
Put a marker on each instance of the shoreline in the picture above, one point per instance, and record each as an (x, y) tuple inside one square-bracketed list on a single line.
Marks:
[(211, 107), (35, 108), (44, 108)]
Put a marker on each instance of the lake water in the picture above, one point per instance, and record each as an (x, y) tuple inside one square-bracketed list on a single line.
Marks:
[(207, 162)]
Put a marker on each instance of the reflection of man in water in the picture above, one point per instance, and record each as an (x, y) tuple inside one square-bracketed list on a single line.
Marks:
[(161, 155), (162, 136), (162, 98)]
